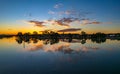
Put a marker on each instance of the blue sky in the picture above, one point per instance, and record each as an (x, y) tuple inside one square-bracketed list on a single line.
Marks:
[(104, 11)]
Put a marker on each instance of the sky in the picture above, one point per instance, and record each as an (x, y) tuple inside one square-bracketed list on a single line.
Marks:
[(71, 16)]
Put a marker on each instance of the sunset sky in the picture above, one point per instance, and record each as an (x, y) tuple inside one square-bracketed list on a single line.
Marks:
[(90, 16)]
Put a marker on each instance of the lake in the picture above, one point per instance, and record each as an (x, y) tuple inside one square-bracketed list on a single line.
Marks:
[(59, 56)]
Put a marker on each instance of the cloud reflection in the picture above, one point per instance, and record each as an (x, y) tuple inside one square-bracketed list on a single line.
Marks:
[(35, 47), (64, 47)]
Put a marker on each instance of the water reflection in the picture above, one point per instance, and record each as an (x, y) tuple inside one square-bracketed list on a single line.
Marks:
[(98, 40), (65, 46), (65, 55), (56, 40), (55, 44)]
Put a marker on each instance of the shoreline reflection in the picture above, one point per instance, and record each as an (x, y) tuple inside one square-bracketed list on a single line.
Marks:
[(63, 45)]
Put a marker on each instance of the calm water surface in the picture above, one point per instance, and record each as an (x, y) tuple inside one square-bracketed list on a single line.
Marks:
[(63, 57)]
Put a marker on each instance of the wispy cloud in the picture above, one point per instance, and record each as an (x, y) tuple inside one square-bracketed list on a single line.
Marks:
[(64, 21), (59, 5), (35, 47), (86, 22), (95, 22), (58, 22), (50, 22), (56, 47), (70, 30), (69, 15), (67, 20), (51, 12)]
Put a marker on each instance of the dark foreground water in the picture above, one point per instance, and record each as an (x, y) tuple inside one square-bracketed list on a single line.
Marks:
[(59, 57)]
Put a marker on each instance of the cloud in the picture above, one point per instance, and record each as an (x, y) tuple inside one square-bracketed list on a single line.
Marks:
[(70, 30), (64, 21), (37, 23), (58, 22), (50, 22), (67, 13), (59, 5)]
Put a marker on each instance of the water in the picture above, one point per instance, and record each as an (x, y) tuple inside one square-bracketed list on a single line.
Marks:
[(59, 56)]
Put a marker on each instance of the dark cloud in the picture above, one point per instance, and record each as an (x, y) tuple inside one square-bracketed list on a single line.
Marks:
[(52, 22), (37, 23), (95, 22), (70, 30), (64, 21)]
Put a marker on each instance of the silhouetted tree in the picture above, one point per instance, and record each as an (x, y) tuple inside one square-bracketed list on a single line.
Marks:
[(35, 33), (19, 34), (83, 34), (45, 32)]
